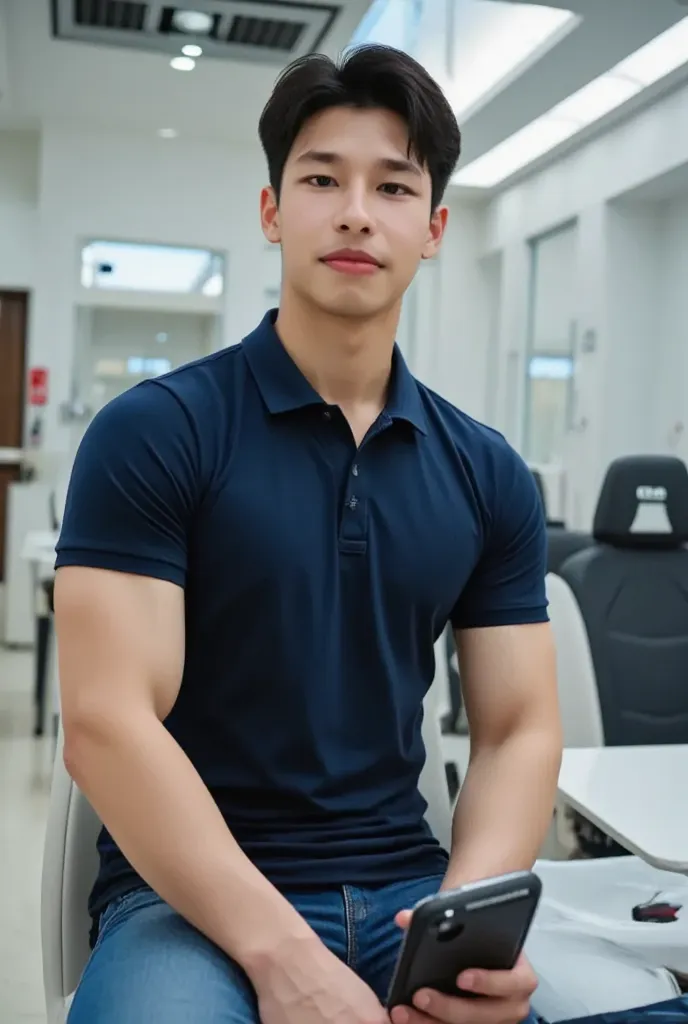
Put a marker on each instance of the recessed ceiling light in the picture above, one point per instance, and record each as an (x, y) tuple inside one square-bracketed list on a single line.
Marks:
[(193, 22), (192, 50), (182, 63), (168, 133)]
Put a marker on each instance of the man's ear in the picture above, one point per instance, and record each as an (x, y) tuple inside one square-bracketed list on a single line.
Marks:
[(269, 215), (438, 223)]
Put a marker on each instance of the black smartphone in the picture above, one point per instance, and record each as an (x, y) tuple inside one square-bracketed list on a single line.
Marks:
[(483, 925)]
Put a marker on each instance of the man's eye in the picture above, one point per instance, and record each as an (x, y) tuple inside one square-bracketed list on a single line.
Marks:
[(393, 188), (321, 180)]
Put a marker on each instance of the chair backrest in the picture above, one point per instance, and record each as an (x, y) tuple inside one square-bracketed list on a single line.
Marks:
[(562, 543), (578, 698), (433, 779), (70, 863), (622, 603)]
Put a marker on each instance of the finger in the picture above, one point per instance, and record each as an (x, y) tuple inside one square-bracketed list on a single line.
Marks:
[(519, 983), (403, 918), (452, 1010), (441, 1009), (407, 1015)]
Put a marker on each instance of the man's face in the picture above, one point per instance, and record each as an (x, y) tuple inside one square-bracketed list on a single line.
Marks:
[(349, 187)]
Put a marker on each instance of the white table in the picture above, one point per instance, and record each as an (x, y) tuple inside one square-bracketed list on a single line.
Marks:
[(637, 795)]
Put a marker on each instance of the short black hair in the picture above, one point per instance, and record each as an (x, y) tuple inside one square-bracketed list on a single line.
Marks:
[(369, 76)]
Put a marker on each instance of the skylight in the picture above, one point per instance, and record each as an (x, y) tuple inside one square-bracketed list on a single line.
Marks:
[(628, 78), (495, 41)]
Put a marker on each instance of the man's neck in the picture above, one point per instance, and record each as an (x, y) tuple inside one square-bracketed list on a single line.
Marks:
[(348, 361)]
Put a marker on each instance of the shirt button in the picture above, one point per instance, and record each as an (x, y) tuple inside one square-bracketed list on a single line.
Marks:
[(327, 414), (354, 469), (353, 502)]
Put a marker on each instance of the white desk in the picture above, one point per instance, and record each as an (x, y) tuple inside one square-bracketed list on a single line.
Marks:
[(637, 795)]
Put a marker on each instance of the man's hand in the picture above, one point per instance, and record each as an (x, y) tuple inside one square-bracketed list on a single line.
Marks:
[(508, 995), (310, 985)]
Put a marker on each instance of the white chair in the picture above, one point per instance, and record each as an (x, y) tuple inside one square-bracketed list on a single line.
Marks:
[(578, 697), (70, 864)]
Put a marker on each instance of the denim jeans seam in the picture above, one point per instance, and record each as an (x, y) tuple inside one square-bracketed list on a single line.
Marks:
[(350, 922)]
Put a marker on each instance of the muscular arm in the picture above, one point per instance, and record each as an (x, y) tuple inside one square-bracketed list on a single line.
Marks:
[(121, 653), (508, 679)]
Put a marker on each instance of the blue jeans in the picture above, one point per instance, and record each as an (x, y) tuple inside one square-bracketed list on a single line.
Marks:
[(150, 967)]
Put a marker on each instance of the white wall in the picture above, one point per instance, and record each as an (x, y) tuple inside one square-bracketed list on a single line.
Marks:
[(672, 326), (457, 359), (150, 190), (144, 189), (19, 188), (629, 296)]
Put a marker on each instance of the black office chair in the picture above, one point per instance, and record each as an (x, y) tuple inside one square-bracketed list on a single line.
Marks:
[(619, 609), (561, 543), (630, 590)]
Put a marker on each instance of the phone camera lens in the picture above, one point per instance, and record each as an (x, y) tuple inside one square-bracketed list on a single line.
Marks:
[(448, 929)]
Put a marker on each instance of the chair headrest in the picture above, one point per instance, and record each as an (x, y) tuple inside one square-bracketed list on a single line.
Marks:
[(643, 503)]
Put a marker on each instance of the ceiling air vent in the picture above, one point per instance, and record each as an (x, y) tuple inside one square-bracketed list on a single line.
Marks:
[(251, 30), (276, 35), (119, 14)]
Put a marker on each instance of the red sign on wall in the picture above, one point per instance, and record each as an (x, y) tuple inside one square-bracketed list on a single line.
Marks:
[(38, 385)]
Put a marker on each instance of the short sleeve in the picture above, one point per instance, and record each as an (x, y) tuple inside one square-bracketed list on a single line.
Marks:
[(507, 587), (133, 488)]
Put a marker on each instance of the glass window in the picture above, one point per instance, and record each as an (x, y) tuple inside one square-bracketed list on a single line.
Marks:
[(129, 266), (551, 348)]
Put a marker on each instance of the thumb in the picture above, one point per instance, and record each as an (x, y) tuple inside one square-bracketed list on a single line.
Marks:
[(403, 918)]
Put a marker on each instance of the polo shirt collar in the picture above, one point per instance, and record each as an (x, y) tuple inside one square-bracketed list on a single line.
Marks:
[(284, 388)]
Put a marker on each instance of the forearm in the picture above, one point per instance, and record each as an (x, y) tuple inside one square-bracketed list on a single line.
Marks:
[(167, 825), (505, 807)]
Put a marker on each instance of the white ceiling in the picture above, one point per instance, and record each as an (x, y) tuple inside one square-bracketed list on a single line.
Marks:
[(608, 31), (47, 79), (44, 79)]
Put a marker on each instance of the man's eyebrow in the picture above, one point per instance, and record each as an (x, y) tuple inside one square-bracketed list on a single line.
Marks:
[(319, 156)]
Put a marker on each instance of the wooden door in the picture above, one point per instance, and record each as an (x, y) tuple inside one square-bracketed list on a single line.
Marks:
[(13, 319)]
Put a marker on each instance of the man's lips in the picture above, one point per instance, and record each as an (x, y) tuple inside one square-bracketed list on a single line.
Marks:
[(352, 261)]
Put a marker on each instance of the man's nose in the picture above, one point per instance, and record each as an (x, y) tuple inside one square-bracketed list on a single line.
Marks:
[(354, 215)]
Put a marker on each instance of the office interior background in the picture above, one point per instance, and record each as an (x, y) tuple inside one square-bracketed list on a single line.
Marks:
[(557, 310)]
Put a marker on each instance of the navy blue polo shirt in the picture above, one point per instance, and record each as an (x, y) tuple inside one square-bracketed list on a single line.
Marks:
[(317, 578)]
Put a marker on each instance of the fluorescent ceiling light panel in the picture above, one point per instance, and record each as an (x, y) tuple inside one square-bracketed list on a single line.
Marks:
[(496, 40), (659, 57), (533, 141), (596, 99), (649, 64)]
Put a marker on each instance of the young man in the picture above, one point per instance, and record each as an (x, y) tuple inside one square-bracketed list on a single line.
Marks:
[(258, 553)]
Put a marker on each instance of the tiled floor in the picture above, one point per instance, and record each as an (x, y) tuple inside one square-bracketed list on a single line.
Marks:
[(25, 765)]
